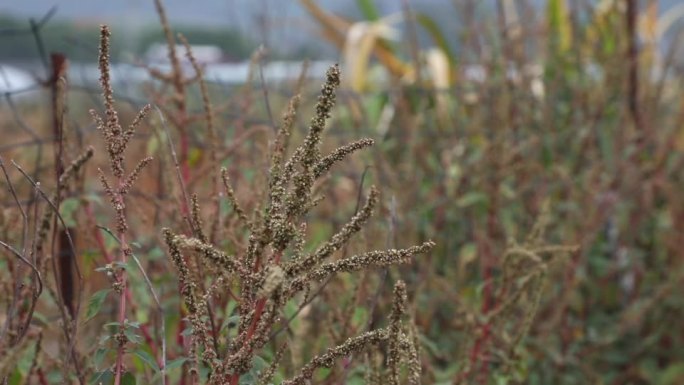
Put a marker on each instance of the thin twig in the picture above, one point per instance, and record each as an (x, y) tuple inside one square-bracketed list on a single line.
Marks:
[(185, 207), (264, 88), (72, 341)]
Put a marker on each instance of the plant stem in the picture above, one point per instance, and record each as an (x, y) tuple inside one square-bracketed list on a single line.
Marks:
[(123, 288)]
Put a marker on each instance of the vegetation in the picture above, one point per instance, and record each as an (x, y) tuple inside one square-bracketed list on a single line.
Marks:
[(78, 41), (215, 251)]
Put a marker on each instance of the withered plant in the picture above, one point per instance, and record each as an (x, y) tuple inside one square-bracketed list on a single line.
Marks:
[(273, 267), (117, 139)]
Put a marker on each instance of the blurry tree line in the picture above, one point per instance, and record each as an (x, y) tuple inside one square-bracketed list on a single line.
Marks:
[(78, 40)]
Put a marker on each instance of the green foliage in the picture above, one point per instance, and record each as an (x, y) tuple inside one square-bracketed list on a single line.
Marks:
[(79, 41), (233, 44), (95, 303)]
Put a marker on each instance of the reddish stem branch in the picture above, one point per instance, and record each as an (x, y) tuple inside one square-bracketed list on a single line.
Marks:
[(99, 239), (123, 254), (258, 311)]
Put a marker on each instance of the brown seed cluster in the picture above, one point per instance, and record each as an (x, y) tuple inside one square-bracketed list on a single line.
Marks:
[(116, 138), (327, 359), (395, 332), (325, 164), (196, 307), (273, 266)]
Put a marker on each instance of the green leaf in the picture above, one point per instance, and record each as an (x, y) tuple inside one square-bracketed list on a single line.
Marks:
[(472, 199), (673, 374), (105, 378), (231, 322), (177, 363), (55, 377), (259, 363), (95, 303), (112, 324), (436, 34), (368, 9), (121, 265), (147, 358), (152, 145), (187, 331), (104, 339), (15, 378), (194, 156), (94, 198), (360, 316), (128, 379), (132, 337), (559, 25), (68, 210), (99, 357)]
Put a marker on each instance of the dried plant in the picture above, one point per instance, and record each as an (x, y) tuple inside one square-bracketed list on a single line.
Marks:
[(116, 141), (273, 268), (252, 292)]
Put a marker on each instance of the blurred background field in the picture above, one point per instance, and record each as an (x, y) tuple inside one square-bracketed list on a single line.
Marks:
[(539, 143)]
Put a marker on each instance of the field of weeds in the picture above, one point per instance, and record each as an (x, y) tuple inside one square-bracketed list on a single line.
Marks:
[(507, 212)]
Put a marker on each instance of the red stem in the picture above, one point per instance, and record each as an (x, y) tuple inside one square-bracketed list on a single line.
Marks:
[(487, 304), (258, 310), (144, 329), (41, 377)]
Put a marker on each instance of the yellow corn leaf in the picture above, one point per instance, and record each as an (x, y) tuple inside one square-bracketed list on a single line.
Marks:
[(439, 68), (334, 27), (335, 30), (361, 39)]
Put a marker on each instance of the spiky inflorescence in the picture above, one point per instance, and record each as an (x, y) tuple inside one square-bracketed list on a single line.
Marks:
[(196, 307), (309, 153), (374, 373), (324, 106), (282, 139), (241, 361), (414, 366), (395, 331), (338, 240), (358, 262), (219, 259), (116, 139), (230, 193), (128, 183), (339, 154), (267, 374), (268, 278), (112, 128), (327, 359), (196, 218)]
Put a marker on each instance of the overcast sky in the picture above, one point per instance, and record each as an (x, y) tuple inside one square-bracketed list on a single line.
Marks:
[(289, 24), (187, 11)]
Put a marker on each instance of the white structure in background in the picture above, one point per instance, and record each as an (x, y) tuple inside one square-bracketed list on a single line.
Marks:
[(204, 54), (13, 79)]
